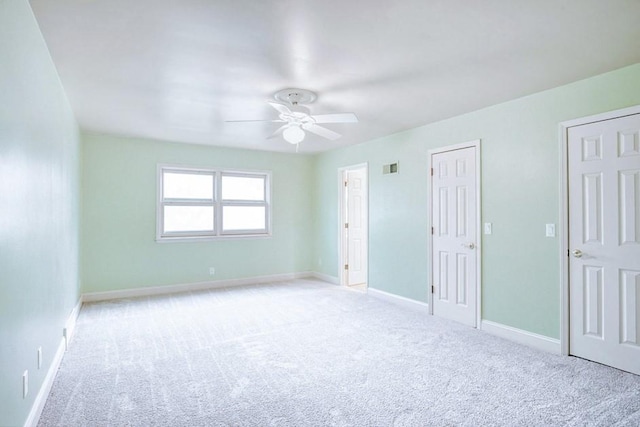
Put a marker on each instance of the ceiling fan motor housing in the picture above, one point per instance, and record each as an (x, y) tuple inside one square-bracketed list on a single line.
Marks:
[(295, 97), (297, 118)]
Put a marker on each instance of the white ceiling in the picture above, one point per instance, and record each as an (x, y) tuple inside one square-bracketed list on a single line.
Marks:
[(176, 70)]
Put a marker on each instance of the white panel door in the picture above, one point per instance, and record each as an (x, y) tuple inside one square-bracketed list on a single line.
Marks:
[(454, 219), (357, 231), (604, 242)]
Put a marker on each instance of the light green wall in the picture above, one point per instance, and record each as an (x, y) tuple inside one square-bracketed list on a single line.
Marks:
[(39, 158), (520, 194), (119, 216), (39, 200)]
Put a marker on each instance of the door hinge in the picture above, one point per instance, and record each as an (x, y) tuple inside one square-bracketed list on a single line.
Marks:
[(431, 171), (431, 230), (346, 183), (433, 289), (346, 225), (346, 266)]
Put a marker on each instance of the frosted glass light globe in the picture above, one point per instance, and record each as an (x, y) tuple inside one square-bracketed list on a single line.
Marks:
[(293, 134)]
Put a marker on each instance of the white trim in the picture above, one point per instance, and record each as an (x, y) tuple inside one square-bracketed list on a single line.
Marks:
[(216, 202), (70, 326), (540, 342), (266, 176), (397, 299), (608, 115), (453, 147), (342, 273), (45, 388), (326, 278), (186, 287), (563, 228), (47, 383), (214, 238), (563, 232), (477, 144)]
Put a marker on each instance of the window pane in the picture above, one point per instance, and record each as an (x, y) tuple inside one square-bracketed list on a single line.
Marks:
[(242, 188), (188, 218), (187, 186), (243, 218)]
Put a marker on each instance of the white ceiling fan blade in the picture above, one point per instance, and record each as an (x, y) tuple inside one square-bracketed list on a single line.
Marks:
[(323, 132), (282, 109), (278, 131), (336, 118), (248, 121)]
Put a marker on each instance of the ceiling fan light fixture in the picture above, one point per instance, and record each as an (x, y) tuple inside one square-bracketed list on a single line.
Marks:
[(293, 134), (297, 120)]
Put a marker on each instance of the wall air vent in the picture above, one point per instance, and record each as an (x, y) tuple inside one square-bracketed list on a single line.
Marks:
[(390, 168)]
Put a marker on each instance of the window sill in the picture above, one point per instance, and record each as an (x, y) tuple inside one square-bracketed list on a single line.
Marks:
[(182, 239)]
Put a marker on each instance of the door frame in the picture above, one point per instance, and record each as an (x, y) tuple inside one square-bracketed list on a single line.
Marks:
[(563, 229), (343, 275), (476, 143)]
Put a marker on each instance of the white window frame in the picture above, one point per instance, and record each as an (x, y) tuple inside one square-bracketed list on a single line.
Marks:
[(255, 203), (217, 203)]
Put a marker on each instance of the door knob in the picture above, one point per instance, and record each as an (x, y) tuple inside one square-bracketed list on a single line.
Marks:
[(576, 253), (469, 245)]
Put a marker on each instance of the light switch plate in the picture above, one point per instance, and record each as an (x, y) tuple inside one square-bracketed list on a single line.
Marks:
[(551, 230), (25, 384), (488, 228)]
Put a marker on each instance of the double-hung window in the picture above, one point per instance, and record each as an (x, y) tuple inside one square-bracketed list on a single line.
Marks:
[(244, 203), (198, 203)]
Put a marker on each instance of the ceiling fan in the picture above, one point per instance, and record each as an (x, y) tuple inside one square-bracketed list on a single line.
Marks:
[(298, 119)]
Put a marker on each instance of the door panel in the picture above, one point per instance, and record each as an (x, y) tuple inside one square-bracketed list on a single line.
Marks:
[(593, 301), (629, 303), (454, 219), (592, 205), (357, 230), (629, 215), (604, 239)]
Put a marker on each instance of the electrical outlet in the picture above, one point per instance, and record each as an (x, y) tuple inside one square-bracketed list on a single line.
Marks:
[(39, 357), (488, 228), (550, 230), (25, 384), (212, 271)]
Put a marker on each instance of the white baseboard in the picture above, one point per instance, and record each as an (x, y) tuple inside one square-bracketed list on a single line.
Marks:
[(530, 339), (70, 326), (187, 287), (325, 278), (45, 388), (397, 299)]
